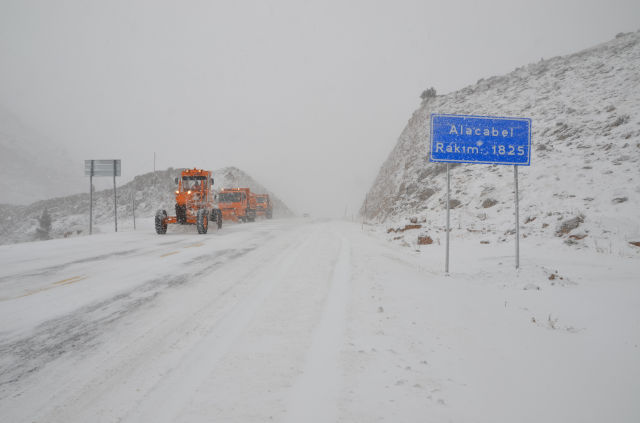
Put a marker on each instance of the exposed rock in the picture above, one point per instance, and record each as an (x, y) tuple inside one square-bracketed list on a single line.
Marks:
[(578, 236), (568, 225), (619, 200), (424, 239), (529, 219), (484, 241), (453, 203), (426, 194), (489, 202)]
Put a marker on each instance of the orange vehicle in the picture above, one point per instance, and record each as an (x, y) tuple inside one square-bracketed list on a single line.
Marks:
[(237, 204), (265, 206), (194, 203)]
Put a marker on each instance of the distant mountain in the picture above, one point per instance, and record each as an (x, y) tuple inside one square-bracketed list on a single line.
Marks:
[(32, 168), (585, 109), (152, 191)]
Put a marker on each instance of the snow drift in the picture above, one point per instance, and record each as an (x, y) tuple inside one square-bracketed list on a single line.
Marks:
[(583, 184)]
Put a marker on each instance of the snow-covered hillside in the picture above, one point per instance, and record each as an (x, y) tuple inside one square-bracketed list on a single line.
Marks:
[(152, 191), (583, 184), (32, 168)]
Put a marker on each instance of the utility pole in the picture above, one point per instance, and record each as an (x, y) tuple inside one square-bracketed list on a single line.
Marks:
[(154, 161)]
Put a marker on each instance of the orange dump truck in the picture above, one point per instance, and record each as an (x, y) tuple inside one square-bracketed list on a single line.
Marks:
[(237, 204), (194, 203), (265, 206)]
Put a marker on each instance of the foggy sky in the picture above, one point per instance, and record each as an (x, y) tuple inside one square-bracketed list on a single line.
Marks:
[(308, 97)]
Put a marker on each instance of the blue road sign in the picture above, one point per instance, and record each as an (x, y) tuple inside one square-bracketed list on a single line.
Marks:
[(480, 139)]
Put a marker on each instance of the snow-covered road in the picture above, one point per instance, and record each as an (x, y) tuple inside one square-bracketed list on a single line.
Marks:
[(316, 321)]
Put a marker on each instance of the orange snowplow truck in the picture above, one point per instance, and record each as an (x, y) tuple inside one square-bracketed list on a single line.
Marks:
[(194, 203), (265, 206), (237, 204)]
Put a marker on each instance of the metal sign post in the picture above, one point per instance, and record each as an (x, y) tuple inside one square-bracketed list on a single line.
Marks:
[(115, 201), (515, 181), (446, 264), (364, 216), (481, 140), (91, 198), (102, 168), (133, 210)]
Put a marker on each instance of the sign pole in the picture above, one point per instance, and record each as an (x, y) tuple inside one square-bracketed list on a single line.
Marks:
[(133, 210), (91, 199), (515, 180), (364, 216), (446, 265), (115, 205), (481, 140)]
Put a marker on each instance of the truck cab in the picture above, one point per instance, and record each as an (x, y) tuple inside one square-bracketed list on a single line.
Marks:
[(237, 204), (265, 205)]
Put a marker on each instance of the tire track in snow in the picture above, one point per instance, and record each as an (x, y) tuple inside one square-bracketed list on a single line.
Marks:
[(316, 392), (78, 331), (164, 402), (91, 372)]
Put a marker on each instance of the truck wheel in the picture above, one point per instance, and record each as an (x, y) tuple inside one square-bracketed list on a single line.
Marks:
[(202, 221), (216, 216), (161, 228)]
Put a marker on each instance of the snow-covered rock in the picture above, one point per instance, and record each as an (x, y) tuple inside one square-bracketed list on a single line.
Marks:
[(585, 110)]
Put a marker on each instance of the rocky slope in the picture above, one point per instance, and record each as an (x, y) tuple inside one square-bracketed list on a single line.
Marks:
[(152, 191), (584, 168), (32, 168)]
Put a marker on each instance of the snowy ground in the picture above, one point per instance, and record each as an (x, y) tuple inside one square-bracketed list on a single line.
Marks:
[(316, 321)]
